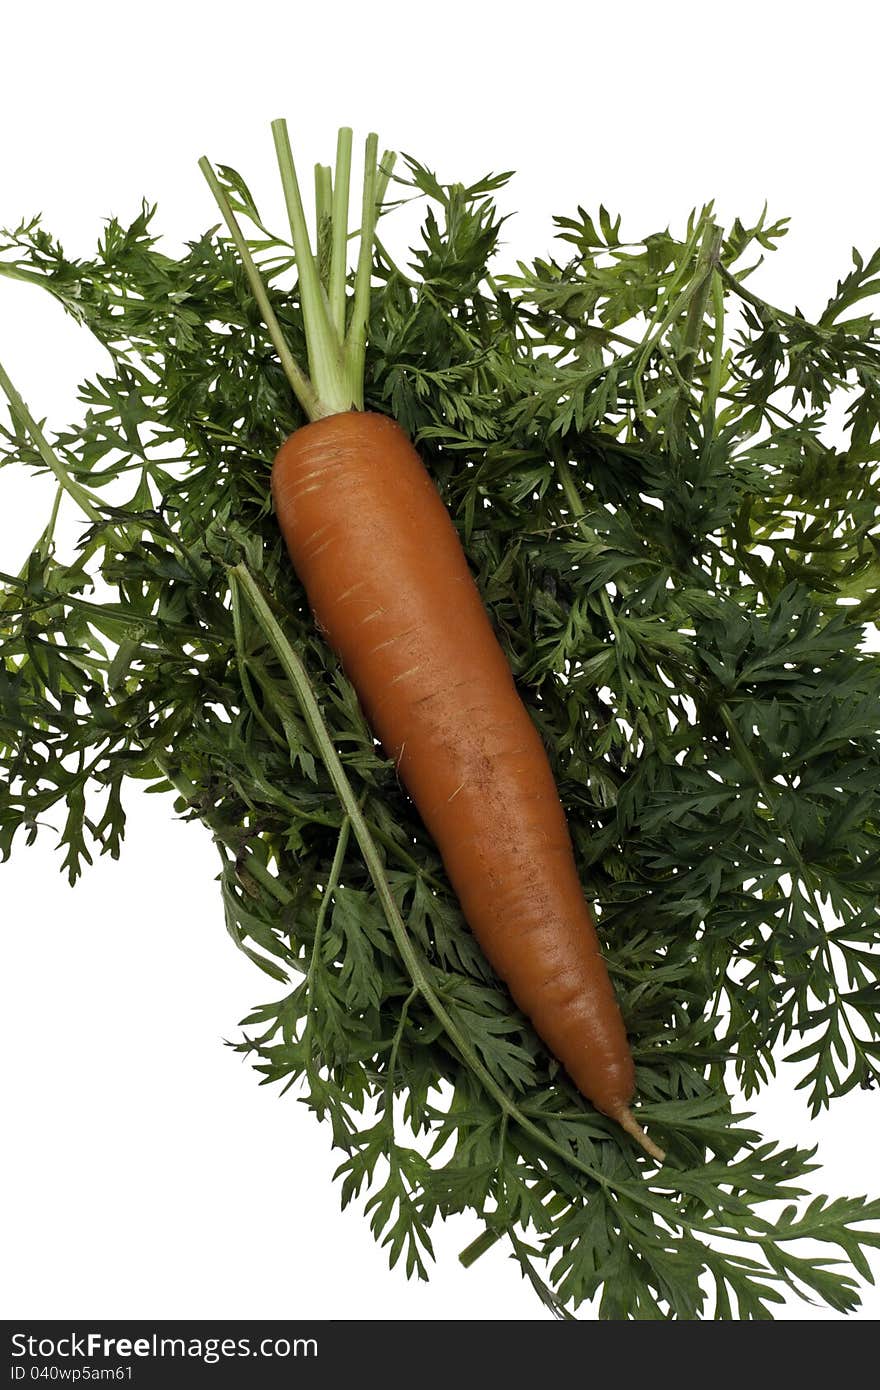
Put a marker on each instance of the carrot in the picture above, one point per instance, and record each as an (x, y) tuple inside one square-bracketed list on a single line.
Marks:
[(390, 587)]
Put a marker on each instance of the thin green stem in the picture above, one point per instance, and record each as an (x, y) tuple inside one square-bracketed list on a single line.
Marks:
[(40, 547), (339, 231), (716, 369), (662, 313), (677, 305), (797, 322), (323, 219), (330, 887), (267, 880), (484, 1241), (755, 300), (705, 273), (326, 899), (84, 498), (392, 1056), (300, 385), (323, 192), (13, 271), (707, 262), (244, 674), (48, 535), (386, 169), (573, 499), (356, 338), (118, 614)]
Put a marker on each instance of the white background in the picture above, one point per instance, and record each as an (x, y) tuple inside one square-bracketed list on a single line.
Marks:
[(144, 1173)]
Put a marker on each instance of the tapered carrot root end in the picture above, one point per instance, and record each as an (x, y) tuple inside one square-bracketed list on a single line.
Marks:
[(627, 1120)]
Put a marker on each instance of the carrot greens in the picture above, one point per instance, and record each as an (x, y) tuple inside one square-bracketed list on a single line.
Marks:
[(681, 559)]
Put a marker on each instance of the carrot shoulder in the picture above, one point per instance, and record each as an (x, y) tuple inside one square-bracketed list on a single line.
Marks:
[(390, 587)]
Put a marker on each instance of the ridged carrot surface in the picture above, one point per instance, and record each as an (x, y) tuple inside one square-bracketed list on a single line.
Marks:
[(390, 587)]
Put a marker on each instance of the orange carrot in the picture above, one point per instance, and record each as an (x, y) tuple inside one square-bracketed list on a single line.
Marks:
[(390, 587)]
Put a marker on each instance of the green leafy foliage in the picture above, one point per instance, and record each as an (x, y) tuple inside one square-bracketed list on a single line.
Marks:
[(680, 566)]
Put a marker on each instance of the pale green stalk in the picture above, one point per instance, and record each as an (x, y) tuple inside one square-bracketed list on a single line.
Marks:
[(323, 220), (356, 339), (339, 233)]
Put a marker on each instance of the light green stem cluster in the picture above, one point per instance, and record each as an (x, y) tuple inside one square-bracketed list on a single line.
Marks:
[(335, 325)]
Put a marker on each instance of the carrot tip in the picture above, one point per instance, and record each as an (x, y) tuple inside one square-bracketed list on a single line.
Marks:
[(627, 1120)]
